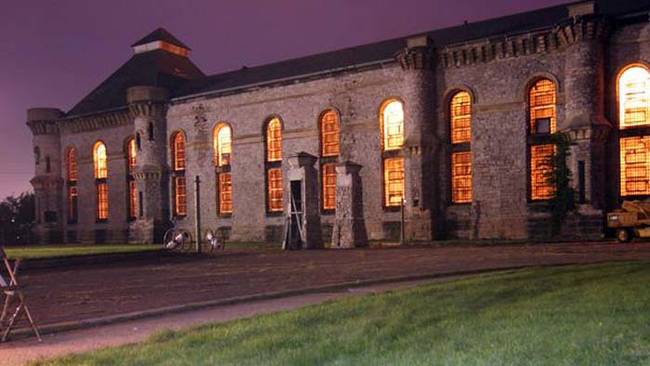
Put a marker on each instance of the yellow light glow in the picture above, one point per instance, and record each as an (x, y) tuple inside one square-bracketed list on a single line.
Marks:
[(461, 177), (100, 160), (102, 201), (275, 190), (392, 120), (329, 186), (180, 196), (635, 165), (178, 151), (634, 97), (393, 182), (225, 193), (330, 133), (540, 168), (461, 117), (132, 153), (542, 101), (71, 164), (222, 145), (274, 140)]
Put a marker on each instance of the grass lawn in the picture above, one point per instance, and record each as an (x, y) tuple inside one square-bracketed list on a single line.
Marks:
[(52, 251), (587, 315)]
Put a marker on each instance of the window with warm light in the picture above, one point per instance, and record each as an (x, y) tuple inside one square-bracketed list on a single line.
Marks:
[(460, 113), (179, 189), (329, 132), (461, 177), (71, 164), (274, 140), (225, 193), (541, 167), (394, 182), (330, 149), (73, 212), (275, 189), (329, 186), (133, 200), (461, 117), (635, 165), (180, 196), (542, 99), (392, 125), (222, 144), (100, 160), (634, 97), (132, 152), (102, 201), (178, 151), (273, 166)]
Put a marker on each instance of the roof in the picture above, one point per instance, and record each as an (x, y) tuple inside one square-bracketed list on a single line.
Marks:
[(160, 34), (154, 68), (183, 78)]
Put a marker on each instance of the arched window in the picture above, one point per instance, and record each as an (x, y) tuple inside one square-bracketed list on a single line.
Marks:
[(634, 123), (273, 166), (460, 111), (543, 121), (131, 153), (179, 187), (100, 161), (392, 125), (222, 143), (330, 148), (391, 117), (72, 174)]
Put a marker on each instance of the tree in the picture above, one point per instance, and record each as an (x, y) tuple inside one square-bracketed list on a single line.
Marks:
[(563, 201), (17, 219)]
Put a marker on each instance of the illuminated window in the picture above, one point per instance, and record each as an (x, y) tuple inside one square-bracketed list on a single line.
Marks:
[(461, 117), (273, 166), (225, 193), (542, 107), (71, 164), (133, 200), (392, 125), (460, 111), (634, 97), (132, 151), (275, 189), (393, 181), (73, 211), (329, 186), (274, 140), (100, 160), (102, 201), (178, 151), (179, 188), (329, 130), (543, 121), (180, 196), (635, 165), (461, 177), (541, 167), (222, 144)]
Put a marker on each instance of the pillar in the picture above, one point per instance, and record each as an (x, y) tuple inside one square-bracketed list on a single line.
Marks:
[(148, 108), (421, 186), (301, 169), (349, 228)]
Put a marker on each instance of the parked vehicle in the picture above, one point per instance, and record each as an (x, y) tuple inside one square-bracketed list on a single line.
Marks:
[(630, 221)]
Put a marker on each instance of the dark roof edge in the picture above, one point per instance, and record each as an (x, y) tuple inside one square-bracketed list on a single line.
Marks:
[(322, 73), (94, 113)]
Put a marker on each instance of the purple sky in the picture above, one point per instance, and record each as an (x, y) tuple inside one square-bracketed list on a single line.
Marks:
[(53, 52)]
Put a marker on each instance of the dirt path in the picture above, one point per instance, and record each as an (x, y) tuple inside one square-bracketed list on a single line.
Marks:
[(85, 292), (28, 350)]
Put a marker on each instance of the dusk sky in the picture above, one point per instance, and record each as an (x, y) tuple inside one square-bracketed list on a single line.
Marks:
[(52, 53)]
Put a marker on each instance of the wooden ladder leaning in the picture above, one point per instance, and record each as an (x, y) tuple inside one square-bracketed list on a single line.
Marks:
[(12, 292)]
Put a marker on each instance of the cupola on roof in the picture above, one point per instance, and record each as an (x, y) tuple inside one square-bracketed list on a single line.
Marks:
[(161, 39)]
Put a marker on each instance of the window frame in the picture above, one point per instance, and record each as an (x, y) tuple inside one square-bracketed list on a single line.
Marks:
[(271, 165), (178, 173), (538, 139)]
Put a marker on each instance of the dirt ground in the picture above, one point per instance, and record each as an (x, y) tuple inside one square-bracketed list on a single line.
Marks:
[(83, 292)]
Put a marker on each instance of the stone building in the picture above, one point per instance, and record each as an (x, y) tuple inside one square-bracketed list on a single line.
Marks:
[(455, 124)]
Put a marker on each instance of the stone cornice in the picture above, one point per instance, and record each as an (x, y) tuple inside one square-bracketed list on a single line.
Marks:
[(150, 109), (95, 122), (50, 127), (551, 39), (417, 58)]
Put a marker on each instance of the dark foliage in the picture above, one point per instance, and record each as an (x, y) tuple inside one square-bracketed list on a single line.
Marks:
[(17, 219)]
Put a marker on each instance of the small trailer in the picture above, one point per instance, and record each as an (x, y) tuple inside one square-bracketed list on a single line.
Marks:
[(631, 220)]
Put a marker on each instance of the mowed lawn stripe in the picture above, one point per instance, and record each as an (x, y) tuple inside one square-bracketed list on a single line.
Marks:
[(590, 315)]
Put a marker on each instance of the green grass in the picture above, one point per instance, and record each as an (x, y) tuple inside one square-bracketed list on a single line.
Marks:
[(587, 315), (53, 251)]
